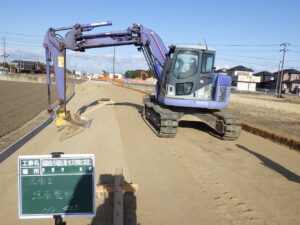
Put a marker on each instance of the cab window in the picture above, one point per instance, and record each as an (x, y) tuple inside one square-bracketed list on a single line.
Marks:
[(186, 65), (207, 63)]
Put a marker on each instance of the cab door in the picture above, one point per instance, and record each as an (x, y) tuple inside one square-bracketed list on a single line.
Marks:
[(165, 75)]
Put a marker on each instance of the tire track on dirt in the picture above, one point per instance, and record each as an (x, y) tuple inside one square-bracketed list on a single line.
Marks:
[(229, 204)]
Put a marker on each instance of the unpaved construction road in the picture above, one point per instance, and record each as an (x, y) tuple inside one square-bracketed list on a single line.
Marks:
[(193, 178)]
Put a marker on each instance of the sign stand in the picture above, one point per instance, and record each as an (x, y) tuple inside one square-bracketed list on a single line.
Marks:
[(58, 220), (56, 154)]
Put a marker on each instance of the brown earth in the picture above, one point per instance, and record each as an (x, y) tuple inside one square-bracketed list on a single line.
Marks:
[(193, 178), (23, 108), (279, 115), (19, 103)]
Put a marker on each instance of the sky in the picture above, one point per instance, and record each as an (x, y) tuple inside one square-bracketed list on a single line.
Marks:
[(243, 32)]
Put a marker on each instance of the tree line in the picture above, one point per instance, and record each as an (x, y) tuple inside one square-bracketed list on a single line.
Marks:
[(137, 73)]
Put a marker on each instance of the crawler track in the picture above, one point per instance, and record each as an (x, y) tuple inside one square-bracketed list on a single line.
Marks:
[(164, 121), (228, 126)]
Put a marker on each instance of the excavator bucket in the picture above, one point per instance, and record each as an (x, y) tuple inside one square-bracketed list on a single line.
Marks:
[(70, 124)]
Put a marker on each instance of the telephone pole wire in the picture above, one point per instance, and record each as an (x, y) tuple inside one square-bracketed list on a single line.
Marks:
[(284, 50)]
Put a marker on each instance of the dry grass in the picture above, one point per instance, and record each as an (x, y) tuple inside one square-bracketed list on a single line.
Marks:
[(291, 142)]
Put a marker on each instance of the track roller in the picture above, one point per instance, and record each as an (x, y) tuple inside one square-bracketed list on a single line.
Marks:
[(227, 126), (162, 121)]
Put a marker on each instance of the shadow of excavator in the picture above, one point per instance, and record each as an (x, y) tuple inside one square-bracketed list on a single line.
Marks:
[(289, 175)]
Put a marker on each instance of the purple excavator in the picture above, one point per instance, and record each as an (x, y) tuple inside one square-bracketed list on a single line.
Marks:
[(186, 82)]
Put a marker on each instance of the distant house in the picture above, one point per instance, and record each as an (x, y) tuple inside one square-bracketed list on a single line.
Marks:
[(290, 80), (29, 66), (267, 80), (78, 73), (240, 70), (3, 70), (116, 75), (265, 76), (242, 77)]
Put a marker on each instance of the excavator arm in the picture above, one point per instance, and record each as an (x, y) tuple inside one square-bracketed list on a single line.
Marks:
[(76, 39)]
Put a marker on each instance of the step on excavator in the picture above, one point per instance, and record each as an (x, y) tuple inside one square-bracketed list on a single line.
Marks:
[(186, 82)]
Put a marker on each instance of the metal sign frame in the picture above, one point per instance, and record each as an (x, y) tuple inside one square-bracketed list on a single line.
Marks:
[(62, 156)]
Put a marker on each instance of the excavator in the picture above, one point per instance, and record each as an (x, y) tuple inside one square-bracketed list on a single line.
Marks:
[(186, 82), (144, 75)]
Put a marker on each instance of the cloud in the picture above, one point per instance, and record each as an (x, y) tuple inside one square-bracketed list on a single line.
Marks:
[(95, 62), (85, 61), (226, 66), (25, 54)]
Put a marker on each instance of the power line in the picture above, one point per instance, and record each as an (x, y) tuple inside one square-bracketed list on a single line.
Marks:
[(24, 40), (25, 45), (260, 58), (245, 45), (247, 62), (21, 34), (247, 50), (251, 57)]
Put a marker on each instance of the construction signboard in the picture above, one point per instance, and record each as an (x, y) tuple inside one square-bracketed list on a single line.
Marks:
[(56, 186)]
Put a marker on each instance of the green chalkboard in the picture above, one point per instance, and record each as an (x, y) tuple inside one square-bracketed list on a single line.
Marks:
[(56, 186)]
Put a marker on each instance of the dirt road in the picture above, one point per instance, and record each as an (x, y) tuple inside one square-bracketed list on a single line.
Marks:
[(191, 179)]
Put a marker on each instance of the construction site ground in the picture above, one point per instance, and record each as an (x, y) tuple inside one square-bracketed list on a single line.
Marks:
[(20, 102), (281, 115), (22, 108), (193, 178)]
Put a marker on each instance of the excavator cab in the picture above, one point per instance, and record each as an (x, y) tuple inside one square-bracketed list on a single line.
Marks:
[(188, 76), (191, 89)]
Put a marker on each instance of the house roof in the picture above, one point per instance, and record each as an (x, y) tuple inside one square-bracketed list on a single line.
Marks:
[(264, 73), (224, 70), (240, 68), (289, 71)]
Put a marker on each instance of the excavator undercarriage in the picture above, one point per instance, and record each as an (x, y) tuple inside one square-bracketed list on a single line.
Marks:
[(164, 120)]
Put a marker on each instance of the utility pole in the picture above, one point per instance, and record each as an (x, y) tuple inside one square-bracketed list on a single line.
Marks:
[(20, 64), (4, 53), (278, 78), (284, 50), (114, 58)]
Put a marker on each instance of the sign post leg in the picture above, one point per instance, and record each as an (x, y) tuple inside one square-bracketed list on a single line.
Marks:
[(58, 220)]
